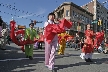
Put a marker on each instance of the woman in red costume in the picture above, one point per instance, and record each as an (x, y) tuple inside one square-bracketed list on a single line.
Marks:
[(88, 48)]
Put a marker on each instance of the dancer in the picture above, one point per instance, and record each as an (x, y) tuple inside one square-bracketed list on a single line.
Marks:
[(50, 49), (51, 38), (88, 48), (31, 34), (62, 44)]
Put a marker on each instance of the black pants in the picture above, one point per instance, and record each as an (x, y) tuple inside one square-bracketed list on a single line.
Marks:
[(82, 44), (40, 45)]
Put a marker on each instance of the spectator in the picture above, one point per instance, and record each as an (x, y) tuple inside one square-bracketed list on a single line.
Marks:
[(76, 39)]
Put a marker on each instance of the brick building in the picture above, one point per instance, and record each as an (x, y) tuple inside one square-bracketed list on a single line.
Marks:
[(72, 12), (100, 13)]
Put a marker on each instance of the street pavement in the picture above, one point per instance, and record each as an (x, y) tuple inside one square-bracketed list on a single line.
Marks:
[(13, 60)]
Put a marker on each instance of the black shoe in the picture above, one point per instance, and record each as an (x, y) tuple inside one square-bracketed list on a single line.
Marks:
[(90, 60), (3, 49), (27, 56), (41, 48), (30, 57), (8, 43), (86, 60), (76, 49)]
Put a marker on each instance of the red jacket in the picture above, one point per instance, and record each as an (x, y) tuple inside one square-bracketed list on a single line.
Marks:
[(52, 29)]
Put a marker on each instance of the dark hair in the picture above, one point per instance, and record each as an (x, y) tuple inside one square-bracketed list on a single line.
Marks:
[(51, 14), (31, 24)]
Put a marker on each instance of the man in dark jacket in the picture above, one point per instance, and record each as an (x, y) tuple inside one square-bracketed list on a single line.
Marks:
[(76, 39)]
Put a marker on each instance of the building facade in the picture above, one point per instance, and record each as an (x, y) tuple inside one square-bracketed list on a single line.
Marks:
[(100, 13), (79, 16)]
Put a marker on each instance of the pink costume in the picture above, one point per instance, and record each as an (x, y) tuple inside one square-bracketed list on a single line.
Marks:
[(51, 39), (50, 49)]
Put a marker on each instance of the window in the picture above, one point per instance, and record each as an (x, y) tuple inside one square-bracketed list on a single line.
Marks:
[(97, 11), (107, 25), (78, 15), (90, 21), (58, 14), (67, 12), (87, 20), (73, 13), (86, 7), (98, 16), (98, 6), (82, 17)]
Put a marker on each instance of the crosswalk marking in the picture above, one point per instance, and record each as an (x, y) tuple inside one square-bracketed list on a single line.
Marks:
[(96, 53)]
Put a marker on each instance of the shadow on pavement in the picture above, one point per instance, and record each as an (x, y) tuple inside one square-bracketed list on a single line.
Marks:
[(24, 65), (30, 65), (19, 66), (95, 61), (66, 55)]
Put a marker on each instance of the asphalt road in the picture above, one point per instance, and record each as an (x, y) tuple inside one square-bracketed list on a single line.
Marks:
[(13, 60)]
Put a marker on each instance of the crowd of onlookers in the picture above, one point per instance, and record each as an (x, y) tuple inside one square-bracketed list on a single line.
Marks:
[(4, 35), (78, 42)]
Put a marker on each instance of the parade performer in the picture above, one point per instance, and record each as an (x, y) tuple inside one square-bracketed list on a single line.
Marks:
[(99, 37), (87, 49), (31, 34), (97, 40), (62, 43), (51, 38), (17, 36)]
